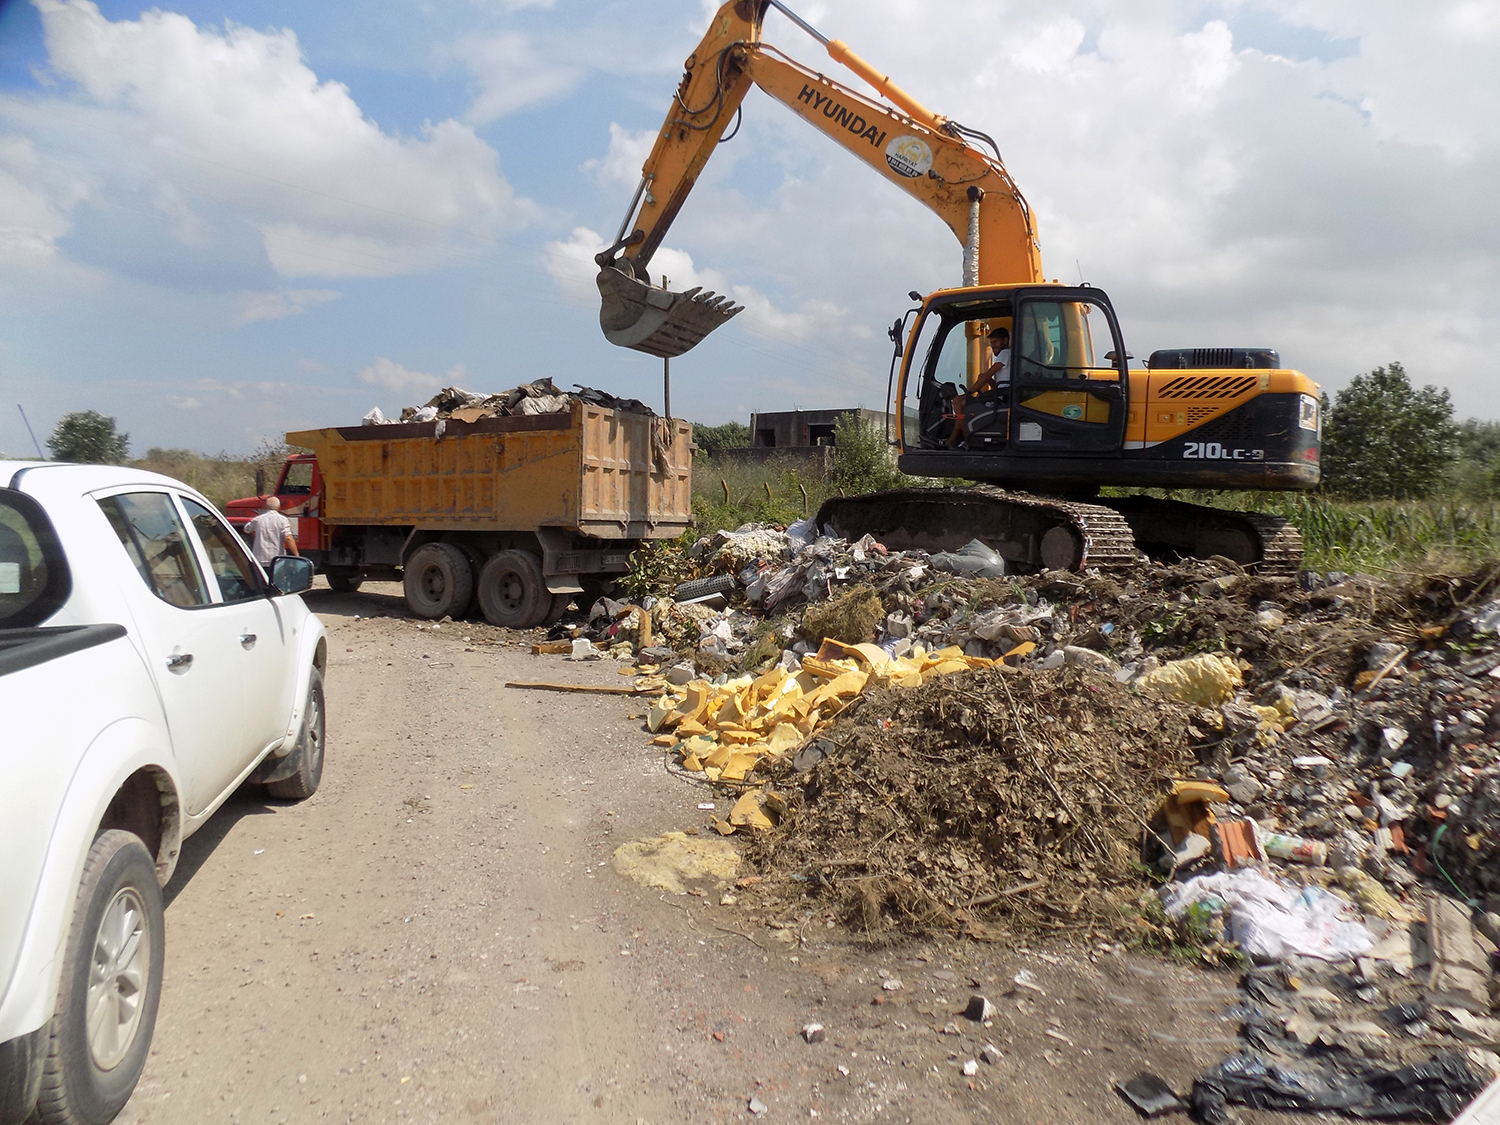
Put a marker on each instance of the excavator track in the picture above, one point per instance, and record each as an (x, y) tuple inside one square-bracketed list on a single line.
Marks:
[(1041, 533), (1033, 532), (1168, 529)]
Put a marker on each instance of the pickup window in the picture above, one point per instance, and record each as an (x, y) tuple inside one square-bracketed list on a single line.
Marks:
[(34, 576), (153, 536), (232, 569)]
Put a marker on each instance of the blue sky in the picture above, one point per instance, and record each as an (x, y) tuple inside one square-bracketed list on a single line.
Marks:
[(219, 221)]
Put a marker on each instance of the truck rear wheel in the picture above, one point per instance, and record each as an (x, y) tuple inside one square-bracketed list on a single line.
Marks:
[(512, 592), (439, 581)]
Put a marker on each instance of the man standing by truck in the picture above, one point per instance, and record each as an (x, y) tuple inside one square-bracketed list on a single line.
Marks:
[(270, 534)]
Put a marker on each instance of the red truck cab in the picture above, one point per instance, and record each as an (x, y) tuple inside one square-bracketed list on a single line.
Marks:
[(300, 490)]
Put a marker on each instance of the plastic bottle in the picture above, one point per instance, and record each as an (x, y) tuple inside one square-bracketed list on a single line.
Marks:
[(1281, 846)]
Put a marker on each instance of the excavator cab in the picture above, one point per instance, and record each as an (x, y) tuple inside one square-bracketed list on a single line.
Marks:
[(1064, 390)]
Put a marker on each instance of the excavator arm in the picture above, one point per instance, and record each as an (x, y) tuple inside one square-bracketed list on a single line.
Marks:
[(930, 157)]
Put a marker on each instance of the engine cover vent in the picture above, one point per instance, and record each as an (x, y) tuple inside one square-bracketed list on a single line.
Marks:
[(1214, 357)]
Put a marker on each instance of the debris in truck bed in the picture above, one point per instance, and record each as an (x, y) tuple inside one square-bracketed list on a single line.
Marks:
[(539, 397)]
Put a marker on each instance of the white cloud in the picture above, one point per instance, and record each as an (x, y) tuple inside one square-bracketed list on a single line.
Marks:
[(571, 264), (279, 303), (228, 128), (183, 402), (514, 70), (621, 165), (32, 217), (393, 377)]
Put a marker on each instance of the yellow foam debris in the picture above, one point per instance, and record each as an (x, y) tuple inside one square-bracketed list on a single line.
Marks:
[(747, 812), (1206, 680), (783, 737), (674, 858), (724, 730)]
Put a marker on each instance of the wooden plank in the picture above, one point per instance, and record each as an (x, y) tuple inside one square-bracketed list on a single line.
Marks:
[(586, 689)]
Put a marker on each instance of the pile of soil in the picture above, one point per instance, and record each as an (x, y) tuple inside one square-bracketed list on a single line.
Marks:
[(981, 802)]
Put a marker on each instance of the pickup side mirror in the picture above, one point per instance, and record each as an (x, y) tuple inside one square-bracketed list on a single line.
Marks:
[(291, 574)]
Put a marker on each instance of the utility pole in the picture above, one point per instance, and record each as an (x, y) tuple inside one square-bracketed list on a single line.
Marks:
[(666, 377), (40, 456)]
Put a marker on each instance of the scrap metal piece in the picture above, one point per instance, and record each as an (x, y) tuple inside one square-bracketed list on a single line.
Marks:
[(647, 318)]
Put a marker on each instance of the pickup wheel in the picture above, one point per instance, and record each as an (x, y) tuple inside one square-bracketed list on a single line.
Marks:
[(308, 753), (512, 592), (343, 583), (111, 983), (439, 581)]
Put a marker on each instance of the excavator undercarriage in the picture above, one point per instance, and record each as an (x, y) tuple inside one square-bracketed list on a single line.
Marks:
[(1035, 533)]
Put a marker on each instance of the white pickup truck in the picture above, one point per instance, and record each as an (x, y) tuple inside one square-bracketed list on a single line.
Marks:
[(148, 668)]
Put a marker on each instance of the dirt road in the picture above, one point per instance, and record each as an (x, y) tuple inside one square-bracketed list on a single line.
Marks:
[(438, 935)]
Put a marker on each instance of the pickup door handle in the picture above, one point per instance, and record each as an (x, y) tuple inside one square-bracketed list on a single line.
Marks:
[(180, 661), (247, 640)]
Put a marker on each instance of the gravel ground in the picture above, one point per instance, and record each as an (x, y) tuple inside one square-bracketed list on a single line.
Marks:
[(438, 935)]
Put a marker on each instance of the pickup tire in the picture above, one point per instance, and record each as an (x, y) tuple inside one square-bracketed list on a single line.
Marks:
[(111, 984), (512, 592), (439, 582), (307, 772)]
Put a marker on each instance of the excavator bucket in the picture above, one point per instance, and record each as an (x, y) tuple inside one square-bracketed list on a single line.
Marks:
[(657, 321)]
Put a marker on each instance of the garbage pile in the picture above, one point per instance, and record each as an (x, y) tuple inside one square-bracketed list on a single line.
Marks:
[(725, 730), (539, 397), (1356, 721), (980, 803)]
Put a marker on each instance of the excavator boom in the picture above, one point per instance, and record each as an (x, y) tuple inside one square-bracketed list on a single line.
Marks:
[(931, 158)]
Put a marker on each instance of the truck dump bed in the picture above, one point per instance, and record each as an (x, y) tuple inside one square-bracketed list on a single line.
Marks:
[(607, 474)]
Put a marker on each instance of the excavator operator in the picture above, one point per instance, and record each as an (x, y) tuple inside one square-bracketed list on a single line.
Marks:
[(996, 375)]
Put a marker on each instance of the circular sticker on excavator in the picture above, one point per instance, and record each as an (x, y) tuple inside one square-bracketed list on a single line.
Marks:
[(909, 156)]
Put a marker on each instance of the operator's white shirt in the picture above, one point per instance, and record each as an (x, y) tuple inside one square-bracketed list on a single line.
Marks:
[(269, 531)]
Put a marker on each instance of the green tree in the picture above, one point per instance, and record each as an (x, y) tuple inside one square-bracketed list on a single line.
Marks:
[(88, 437), (862, 461), (1477, 473), (711, 439), (1384, 439)]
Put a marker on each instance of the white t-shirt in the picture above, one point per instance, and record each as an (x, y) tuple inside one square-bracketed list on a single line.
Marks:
[(268, 536), (1002, 357)]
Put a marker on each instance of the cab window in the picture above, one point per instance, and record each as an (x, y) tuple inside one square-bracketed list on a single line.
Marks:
[(232, 569), (297, 480), (1064, 339), (154, 537), (34, 577)]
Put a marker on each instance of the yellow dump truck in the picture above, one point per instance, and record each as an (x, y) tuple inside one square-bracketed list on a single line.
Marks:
[(517, 513)]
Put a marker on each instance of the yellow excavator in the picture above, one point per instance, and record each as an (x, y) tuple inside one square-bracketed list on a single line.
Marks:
[(1008, 379)]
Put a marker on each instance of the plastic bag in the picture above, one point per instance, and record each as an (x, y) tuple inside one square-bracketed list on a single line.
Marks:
[(1271, 921), (803, 533), (1434, 1090), (1206, 680), (974, 558)]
